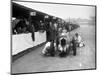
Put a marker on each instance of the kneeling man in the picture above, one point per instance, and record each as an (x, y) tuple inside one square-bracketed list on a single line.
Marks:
[(49, 48)]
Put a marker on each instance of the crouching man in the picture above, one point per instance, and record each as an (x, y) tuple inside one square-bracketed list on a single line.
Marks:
[(48, 49), (78, 40)]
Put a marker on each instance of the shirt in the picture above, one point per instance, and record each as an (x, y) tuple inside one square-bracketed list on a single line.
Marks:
[(47, 45), (78, 39)]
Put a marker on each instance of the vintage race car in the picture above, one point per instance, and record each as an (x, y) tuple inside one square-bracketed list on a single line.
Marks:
[(62, 47), (66, 45)]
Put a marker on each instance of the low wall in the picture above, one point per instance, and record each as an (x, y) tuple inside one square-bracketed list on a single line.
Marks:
[(22, 42)]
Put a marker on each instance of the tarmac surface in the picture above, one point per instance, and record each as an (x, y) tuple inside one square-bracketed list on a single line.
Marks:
[(85, 58)]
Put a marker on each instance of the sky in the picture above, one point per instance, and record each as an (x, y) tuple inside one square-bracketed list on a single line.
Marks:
[(62, 11)]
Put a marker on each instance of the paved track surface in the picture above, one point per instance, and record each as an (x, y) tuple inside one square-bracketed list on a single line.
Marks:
[(85, 58)]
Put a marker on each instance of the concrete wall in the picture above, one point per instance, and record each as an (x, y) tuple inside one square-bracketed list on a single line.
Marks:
[(22, 42)]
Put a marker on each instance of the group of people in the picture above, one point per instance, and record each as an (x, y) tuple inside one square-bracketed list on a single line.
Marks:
[(21, 25), (63, 44), (33, 24), (57, 33), (24, 25)]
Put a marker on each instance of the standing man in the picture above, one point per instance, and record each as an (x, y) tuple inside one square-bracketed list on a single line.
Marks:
[(31, 24)]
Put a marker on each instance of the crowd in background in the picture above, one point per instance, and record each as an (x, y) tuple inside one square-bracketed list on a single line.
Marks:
[(53, 27)]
